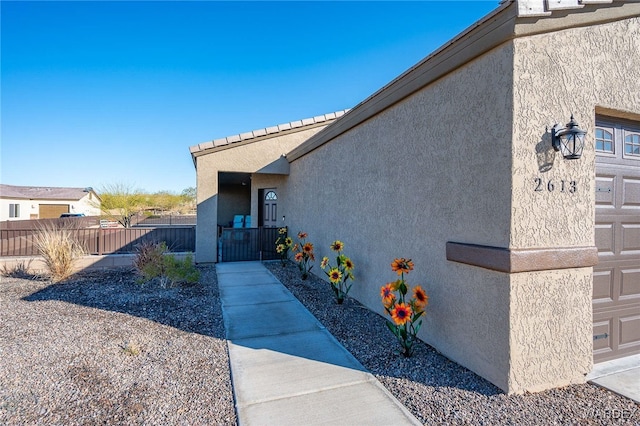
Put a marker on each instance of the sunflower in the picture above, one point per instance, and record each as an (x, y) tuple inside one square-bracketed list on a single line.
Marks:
[(280, 248), (348, 264), (337, 245), (386, 292), (307, 248), (298, 257), (325, 262), (420, 296), (402, 265), (401, 314), (335, 275), (302, 235), (288, 241), (282, 231)]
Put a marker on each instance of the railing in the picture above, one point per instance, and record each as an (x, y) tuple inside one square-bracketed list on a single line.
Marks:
[(99, 241), (242, 244)]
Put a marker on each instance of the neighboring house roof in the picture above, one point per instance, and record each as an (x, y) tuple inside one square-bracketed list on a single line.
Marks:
[(268, 132), (43, 192)]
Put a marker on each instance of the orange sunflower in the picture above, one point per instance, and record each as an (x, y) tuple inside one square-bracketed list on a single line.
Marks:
[(298, 257), (401, 313), (386, 292), (325, 262), (402, 265), (307, 248), (337, 245), (302, 235), (335, 275), (420, 296)]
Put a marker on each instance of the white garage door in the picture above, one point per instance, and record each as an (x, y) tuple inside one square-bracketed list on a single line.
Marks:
[(616, 280)]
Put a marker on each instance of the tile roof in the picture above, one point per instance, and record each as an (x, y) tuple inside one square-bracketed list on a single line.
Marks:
[(42, 192), (268, 131)]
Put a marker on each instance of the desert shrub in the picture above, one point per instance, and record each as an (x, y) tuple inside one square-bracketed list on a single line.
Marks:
[(60, 249), (154, 262)]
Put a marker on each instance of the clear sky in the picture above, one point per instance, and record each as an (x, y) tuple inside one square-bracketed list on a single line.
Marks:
[(95, 93)]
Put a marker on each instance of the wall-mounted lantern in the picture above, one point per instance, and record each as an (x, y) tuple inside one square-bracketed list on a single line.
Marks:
[(568, 140)]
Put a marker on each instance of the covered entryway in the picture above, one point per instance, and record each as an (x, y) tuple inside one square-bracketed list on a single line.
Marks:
[(616, 278), (52, 211)]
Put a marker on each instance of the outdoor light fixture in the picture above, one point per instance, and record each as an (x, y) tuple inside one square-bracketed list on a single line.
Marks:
[(568, 140)]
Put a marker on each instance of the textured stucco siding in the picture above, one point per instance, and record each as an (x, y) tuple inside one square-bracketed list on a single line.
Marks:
[(245, 158), (433, 168), (551, 312)]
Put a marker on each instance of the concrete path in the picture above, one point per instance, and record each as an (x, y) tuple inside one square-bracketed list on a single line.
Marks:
[(621, 376), (286, 368)]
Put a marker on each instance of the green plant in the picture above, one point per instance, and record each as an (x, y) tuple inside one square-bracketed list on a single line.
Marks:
[(154, 262), (283, 245), (303, 255), (406, 315), (60, 249), (339, 274)]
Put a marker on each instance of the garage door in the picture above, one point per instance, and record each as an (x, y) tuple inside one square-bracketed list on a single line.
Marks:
[(50, 211), (616, 278)]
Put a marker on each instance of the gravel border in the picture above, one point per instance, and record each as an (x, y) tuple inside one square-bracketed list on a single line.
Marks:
[(439, 391), (102, 349)]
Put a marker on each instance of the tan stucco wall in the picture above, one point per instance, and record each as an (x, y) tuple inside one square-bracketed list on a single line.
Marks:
[(247, 158), (551, 316), (433, 168), (457, 161)]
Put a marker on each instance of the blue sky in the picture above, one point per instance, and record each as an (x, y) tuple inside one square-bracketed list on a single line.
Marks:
[(95, 93)]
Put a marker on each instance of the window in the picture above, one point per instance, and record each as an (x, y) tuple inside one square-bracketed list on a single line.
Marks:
[(270, 196), (14, 210), (632, 144), (604, 140)]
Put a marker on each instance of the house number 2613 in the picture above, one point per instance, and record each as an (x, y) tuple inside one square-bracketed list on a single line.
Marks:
[(551, 186)]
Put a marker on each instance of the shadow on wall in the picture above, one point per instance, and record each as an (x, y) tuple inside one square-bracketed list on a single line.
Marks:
[(545, 153)]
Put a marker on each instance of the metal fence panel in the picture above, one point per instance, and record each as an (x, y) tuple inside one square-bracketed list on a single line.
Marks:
[(20, 242), (246, 244)]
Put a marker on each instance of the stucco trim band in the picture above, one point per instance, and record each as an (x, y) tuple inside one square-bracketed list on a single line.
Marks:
[(522, 260)]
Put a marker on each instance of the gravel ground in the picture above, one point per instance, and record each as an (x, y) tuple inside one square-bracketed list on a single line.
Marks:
[(438, 391), (101, 349)]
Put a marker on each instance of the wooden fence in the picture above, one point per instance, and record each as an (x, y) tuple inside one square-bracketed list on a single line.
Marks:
[(20, 242)]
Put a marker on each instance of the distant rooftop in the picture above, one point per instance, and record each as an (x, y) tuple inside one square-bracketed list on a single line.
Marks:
[(268, 131), (42, 192)]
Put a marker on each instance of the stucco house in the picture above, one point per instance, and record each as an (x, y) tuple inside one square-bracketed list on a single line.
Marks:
[(531, 260), (38, 202)]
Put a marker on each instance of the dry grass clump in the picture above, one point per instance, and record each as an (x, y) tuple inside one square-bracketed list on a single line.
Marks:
[(60, 249)]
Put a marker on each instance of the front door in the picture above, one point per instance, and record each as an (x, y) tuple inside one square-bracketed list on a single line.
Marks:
[(270, 208)]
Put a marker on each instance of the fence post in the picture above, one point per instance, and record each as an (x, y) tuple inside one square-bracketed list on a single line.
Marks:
[(100, 240)]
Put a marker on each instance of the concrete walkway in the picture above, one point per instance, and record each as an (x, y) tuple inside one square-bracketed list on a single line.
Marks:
[(621, 376), (286, 368)]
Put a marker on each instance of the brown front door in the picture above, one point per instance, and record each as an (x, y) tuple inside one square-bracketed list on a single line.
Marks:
[(616, 278), (270, 208)]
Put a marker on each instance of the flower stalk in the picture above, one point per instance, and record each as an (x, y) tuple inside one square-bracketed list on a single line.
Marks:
[(303, 255), (340, 273), (405, 313)]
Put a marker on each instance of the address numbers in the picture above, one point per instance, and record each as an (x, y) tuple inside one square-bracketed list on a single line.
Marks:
[(569, 186)]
